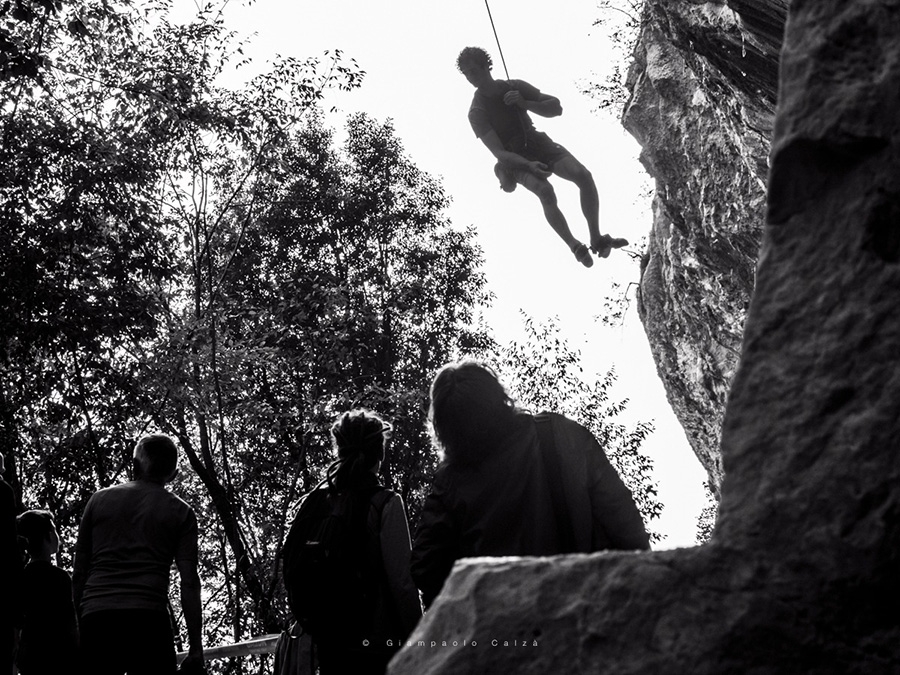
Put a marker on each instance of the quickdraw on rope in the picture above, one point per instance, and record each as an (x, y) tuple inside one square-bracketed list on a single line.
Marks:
[(499, 48)]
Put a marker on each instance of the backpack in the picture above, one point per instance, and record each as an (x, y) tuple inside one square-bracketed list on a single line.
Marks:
[(330, 574)]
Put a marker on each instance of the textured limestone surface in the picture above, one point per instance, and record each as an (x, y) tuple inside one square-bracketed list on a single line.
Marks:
[(801, 574), (703, 91)]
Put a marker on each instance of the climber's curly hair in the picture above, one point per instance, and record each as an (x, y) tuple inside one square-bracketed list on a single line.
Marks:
[(475, 55)]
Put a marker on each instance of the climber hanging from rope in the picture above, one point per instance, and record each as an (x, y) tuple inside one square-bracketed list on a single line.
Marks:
[(527, 157)]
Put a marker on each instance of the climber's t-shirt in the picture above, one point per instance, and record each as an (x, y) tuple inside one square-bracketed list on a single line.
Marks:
[(512, 124)]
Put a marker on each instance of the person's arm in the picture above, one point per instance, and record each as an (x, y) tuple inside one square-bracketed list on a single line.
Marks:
[(67, 607), (83, 550), (617, 521), (395, 556), (192, 606), (540, 103), (511, 159), (186, 558)]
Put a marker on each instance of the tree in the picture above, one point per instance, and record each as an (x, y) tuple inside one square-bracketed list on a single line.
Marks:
[(620, 21)]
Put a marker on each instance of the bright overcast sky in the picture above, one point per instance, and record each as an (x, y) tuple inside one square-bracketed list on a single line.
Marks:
[(408, 49)]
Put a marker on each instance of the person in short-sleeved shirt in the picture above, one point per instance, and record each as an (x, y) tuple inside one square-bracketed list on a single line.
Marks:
[(499, 116), (130, 534), (134, 532)]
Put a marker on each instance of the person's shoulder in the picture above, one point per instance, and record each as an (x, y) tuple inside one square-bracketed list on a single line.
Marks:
[(521, 84), (386, 499), (111, 491), (558, 419), (61, 574), (179, 503), (57, 574), (164, 498), (569, 428), (478, 104), (125, 486)]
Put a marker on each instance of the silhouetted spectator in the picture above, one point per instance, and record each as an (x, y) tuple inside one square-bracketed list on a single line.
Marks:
[(353, 590), (494, 493), (48, 642), (129, 537), (10, 571)]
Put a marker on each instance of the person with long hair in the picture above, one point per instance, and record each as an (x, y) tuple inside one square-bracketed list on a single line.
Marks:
[(368, 627), (494, 493)]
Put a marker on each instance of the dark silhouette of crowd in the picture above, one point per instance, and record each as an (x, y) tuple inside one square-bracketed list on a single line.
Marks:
[(510, 483)]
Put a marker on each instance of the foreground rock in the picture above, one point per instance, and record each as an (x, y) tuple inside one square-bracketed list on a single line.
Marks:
[(703, 99), (801, 573)]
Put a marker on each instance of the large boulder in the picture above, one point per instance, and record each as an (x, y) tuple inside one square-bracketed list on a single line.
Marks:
[(801, 574)]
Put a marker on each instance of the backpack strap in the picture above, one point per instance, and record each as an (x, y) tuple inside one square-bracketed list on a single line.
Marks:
[(547, 445)]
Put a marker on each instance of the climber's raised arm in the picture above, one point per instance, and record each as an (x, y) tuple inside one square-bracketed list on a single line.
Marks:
[(545, 105)]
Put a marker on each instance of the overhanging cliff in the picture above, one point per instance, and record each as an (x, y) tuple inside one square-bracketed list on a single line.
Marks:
[(703, 92)]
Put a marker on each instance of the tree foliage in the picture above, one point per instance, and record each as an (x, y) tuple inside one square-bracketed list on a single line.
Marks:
[(619, 22), (706, 521)]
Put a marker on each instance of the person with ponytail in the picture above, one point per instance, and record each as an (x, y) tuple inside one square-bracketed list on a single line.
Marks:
[(49, 639), (358, 611)]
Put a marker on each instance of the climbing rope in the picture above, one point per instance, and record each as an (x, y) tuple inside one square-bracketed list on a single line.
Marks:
[(494, 28)]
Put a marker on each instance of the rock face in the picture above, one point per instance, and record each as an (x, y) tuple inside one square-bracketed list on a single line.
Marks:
[(801, 574), (703, 91)]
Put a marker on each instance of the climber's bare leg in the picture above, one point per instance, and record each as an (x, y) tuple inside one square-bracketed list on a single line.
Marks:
[(571, 169), (544, 191)]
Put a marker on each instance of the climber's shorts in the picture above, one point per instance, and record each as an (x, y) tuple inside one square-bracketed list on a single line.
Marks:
[(540, 148)]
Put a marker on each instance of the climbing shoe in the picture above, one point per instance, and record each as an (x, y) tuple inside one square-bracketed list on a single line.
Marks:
[(582, 254), (602, 246)]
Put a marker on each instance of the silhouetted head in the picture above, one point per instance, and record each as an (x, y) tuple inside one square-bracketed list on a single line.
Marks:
[(359, 439), (474, 56), (475, 64), (471, 411), (156, 458), (37, 533)]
